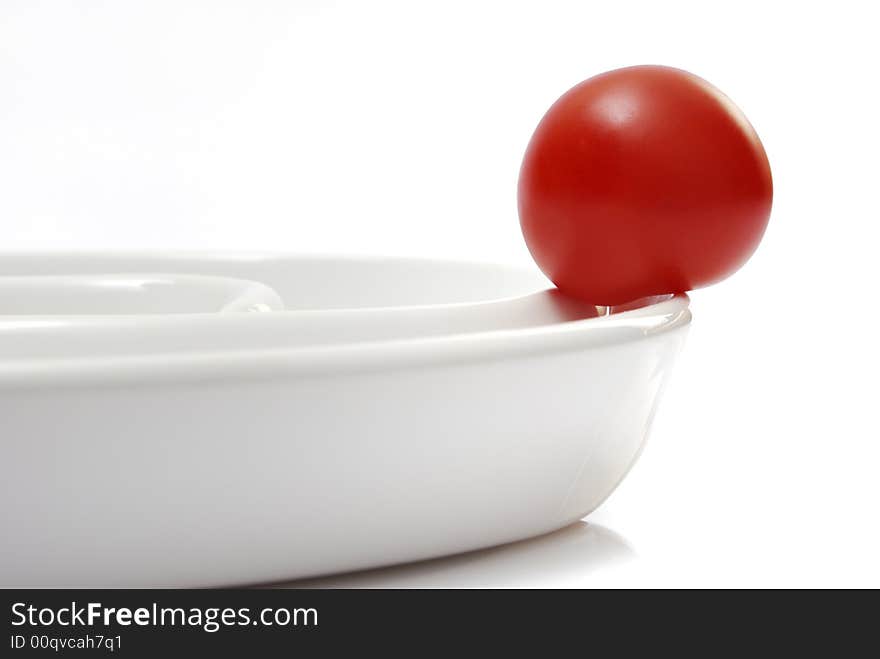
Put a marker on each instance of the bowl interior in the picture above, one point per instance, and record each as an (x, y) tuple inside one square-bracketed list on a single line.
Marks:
[(309, 282), (130, 294)]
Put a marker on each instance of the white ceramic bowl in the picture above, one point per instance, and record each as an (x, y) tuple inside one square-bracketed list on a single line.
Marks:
[(397, 410)]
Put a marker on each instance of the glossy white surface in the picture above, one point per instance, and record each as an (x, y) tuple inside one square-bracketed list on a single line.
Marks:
[(232, 448), (581, 550), (349, 305), (88, 298)]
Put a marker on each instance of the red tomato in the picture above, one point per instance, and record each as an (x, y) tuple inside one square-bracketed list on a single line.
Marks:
[(643, 181)]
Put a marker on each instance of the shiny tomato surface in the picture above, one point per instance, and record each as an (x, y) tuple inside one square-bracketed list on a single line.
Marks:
[(642, 181)]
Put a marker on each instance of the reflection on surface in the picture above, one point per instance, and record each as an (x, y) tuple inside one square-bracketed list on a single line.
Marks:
[(580, 548)]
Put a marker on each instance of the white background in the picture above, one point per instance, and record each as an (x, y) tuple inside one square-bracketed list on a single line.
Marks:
[(397, 128)]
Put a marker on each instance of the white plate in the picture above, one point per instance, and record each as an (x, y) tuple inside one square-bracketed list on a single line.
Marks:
[(397, 410)]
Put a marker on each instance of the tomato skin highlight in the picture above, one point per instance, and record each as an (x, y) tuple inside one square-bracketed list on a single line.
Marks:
[(643, 181)]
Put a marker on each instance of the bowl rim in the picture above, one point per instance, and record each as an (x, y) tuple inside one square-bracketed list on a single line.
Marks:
[(661, 316)]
